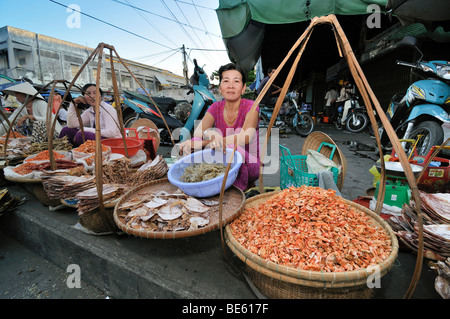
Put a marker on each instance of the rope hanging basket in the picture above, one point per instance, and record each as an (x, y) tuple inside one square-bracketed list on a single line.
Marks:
[(279, 281)]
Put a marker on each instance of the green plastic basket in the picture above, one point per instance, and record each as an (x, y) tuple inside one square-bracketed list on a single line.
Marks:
[(294, 171)]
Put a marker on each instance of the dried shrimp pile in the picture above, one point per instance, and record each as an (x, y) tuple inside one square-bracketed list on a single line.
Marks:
[(202, 172), (13, 134), (163, 211), (89, 147), (312, 229)]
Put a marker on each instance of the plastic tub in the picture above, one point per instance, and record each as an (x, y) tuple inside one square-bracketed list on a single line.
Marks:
[(212, 186), (117, 146)]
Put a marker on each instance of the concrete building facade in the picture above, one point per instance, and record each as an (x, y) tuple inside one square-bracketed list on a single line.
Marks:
[(43, 59)]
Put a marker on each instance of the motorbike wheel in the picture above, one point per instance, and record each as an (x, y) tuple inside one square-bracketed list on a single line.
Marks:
[(337, 123), (305, 125), (432, 134), (357, 123)]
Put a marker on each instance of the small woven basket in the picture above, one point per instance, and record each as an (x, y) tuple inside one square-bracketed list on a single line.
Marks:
[(95, 222), (282, 282), (313, 142), (42, 196)]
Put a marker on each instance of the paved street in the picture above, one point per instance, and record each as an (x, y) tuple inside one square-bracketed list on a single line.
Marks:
[(37, 246)]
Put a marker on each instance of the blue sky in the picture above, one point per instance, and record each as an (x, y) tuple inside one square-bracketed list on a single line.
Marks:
[(154, 28)]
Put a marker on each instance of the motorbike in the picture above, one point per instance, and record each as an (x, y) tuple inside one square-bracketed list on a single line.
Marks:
[(137, 105), (290, 116), (420, 113), (352, 116)]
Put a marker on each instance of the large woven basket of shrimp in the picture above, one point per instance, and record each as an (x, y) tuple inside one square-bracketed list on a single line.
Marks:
[(307, 242)]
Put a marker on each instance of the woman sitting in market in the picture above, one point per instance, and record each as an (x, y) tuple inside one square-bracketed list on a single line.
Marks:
[(109, 123), (224, 121), (32, 119)]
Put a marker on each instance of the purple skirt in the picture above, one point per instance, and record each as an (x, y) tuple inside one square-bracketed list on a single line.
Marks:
[(75, 137)]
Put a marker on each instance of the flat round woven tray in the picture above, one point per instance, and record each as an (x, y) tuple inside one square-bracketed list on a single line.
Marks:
[(233, 201), (279, 281)]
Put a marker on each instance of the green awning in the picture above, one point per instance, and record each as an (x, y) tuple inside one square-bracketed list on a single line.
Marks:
[(234, 15)]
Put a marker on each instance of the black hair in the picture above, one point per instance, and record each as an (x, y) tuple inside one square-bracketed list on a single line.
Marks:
[(232, 66), (86, 86), (270, 70)]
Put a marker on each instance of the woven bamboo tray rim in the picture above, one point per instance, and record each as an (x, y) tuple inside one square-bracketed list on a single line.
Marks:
[(293, 280), (233, 198), (354, 276)]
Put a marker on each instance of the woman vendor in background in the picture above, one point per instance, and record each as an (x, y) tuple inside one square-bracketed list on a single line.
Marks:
[(109, 123), (223, 122), (32, 119)]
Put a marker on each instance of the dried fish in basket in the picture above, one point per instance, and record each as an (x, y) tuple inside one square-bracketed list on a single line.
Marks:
[(159, 209)]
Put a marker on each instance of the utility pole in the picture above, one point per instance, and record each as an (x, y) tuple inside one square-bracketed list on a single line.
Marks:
[(185, 68)]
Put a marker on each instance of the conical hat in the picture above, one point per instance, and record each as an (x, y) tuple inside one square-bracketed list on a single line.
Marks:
[(22, 87)]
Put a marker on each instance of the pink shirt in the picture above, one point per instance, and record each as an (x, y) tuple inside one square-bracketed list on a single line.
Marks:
[(216, 110)]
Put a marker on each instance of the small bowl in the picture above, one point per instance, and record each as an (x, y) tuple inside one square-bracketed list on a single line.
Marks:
[(209, 187)]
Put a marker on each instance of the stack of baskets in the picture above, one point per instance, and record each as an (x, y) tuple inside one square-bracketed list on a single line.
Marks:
[(282, 282)]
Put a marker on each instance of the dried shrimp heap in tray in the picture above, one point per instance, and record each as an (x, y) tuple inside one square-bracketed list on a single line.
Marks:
[(313, 229), (436, 225)]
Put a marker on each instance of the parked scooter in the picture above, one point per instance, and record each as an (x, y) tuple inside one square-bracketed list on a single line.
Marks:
[(424, 108), (138, 106), (352, 116), (289, 117)]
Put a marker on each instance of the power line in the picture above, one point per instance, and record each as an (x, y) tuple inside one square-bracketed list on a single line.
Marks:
[(154, 26), (112, 25), (163, 17), (195, 5)]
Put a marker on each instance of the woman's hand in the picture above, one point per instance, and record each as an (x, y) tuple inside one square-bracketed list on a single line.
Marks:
[(217, 143), (21, 120), (79, 100), (185, 148)]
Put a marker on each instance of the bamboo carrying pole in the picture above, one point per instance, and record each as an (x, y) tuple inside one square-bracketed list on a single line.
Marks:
[(369, 100)]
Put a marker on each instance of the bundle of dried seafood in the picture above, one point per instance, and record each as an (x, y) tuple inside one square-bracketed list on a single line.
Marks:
[(116, 171), (8, 203), (88, 200), (66, 186), (436, 225), (202, 172), (442, 282), (152, 170), (163, 211)]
